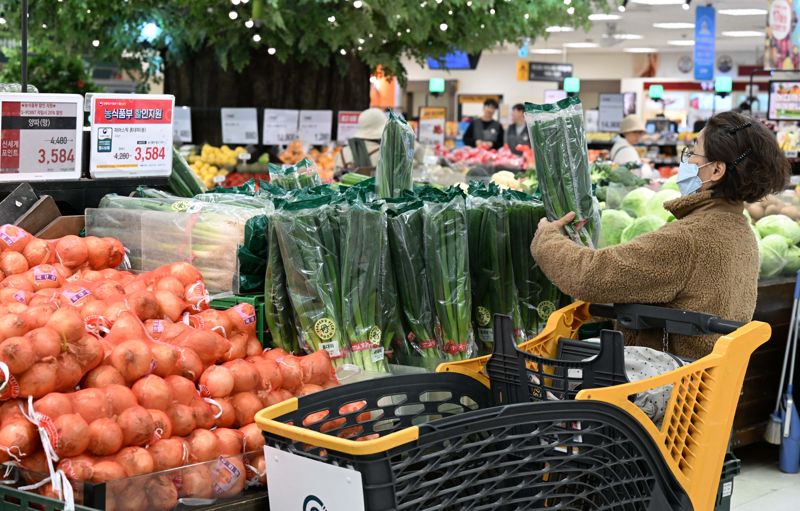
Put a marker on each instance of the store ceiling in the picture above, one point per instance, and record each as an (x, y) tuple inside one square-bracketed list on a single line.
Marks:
[(638, 20)]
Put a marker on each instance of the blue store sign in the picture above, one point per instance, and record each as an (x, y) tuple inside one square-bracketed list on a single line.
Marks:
[(704, 37)]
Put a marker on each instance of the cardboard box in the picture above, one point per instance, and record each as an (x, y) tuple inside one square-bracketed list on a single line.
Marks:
[(40, 215), (61, 226)]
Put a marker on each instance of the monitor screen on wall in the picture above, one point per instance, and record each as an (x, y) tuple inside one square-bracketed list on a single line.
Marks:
[(784, 101), (454, 60)]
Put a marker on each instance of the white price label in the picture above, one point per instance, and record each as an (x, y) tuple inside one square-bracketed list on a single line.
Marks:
[(377, 354), (346, 126), (239, 126), (332, 348), (280, 126), (316, 126), (40, 136), (131, 135), (182, 124)]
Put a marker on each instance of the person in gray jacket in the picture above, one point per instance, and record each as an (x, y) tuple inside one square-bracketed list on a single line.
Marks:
[(517, 133)]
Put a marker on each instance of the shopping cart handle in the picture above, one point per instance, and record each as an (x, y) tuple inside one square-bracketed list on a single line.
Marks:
[(674, 321)]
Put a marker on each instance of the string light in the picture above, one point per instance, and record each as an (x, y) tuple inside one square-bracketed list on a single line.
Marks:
[(567, 2), (571, 11), (2, 21), (95, 43), (44, 25), (360, 41), (343, 51), (256, 38), (527, 15), (450, 12), (469, 3), (249, 23), (360, 48), (332, 19), (271, 51), (443, 27), (235, 2), (357, 4), (491, 11), (233, 15), (369, 35), (408, 31)]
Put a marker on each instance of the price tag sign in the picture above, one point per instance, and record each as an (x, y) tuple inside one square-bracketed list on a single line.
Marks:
[(40, 136), (131, 135), (347, 126), (431, 125), (280, 126), (239, 126), (315, 126), (182, 124)]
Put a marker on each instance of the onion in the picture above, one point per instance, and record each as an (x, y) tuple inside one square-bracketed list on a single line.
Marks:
[(135, 286), (317, 367), (88, 351), (308, 388), (37, 316), (168, 453), (246, 405), (54, 404), (238, 349), (189, 364), (93, 311), (62, 270), (153, 392), (203, 446), (91, 276), (230, 441), (278, 396), (245, 375), (106, 289), (271, 377), (212, 319), (161, 493), (170, 284), (91, 404), (126, 326), (274, 354), (243, 318), (185, 272), (10, 295), (37, 252), (253, 438), (163, 426), (13, 263), (209, 346), (71, 251), (21, 282), (14, 238), (260, 464), (99, 252), (291, 372), (216, 381), (203, 414), (18, 354), (105, 437), (166, 359), (137, 425), (114, 311), (18, 435), (117, 252), (196, 482), (79, 468), (39, 379), (37, 463), (119, 398), (72, 435), (253, 347), (11, 325), (75, 295), (183, 390), (228, 417), (68, 323), (132, 359), (135, 460), (107, 470), (182, 418), (102, 376), (144, 305), (223, 476), (171, 306), (18, 309), (196, 296)]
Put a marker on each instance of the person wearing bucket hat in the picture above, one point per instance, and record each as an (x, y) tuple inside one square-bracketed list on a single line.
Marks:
[(369, 130), (631, 131)]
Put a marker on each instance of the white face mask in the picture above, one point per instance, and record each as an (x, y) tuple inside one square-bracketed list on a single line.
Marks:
[(688, 179)]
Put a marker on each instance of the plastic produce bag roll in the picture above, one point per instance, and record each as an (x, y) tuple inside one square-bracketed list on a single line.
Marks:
[(562, 166), (393, 173)]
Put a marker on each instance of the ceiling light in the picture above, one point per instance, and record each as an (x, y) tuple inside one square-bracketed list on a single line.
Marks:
[(604, 17), (639, 50), (686, 6), (545, 51), (742, 12), (580, 45), (657, 2), (627, 37), (559, 29), (622, 6), (681, 42), (743, 33), (674, 25)]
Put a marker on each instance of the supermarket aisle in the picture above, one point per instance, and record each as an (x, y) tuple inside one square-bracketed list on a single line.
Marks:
[(761, 486)]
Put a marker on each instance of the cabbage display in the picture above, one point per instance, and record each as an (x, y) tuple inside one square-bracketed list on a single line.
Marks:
[(635, 203), (612, 223), (642, 225), (779, 224), (655, 206), (772, 251), (792, 260)]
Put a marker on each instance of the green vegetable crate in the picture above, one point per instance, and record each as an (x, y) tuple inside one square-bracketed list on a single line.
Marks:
[(257, 301)]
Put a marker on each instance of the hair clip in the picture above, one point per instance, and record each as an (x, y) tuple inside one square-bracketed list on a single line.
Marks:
[(741, 157), (739, 127)]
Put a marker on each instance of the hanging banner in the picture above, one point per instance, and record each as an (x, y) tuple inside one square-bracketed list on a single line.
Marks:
[(182, 124), (346, 126), (131, 135), (280, 126), (40, 137), (704, 37), (782, 47), (432, 122), (316, 126), (239, 125)]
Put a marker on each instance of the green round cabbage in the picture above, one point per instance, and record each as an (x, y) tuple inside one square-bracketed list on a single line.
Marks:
[(612, 223), (655, 206), (671, 184), (635, 203), (642, 225), (792, 260), (779, 224), (772, 250)]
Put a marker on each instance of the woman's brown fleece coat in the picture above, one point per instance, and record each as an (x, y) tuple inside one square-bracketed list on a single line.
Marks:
[(705, 261)]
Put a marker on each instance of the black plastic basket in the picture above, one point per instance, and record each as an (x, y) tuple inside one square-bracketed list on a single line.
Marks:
[(730, 469)]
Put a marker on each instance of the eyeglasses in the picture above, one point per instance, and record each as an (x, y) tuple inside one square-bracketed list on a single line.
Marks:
[(688, 153)]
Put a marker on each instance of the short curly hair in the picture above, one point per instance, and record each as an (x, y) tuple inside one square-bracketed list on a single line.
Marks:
[(755, 164)]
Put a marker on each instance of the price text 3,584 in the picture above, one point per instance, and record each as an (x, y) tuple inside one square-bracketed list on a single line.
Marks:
[(56, 156), (150, 153)]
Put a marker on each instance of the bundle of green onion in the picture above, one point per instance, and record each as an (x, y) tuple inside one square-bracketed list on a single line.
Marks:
[(393, 173)]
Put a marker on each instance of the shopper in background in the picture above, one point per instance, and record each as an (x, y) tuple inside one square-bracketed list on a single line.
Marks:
[(517, 133), (367, 138), (631, 131), (706, 260), (485, 131)]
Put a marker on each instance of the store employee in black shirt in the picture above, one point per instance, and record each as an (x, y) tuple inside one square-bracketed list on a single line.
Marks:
[(485, 131)]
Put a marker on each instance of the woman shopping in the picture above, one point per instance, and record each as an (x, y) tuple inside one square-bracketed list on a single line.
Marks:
[(705, 261)]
